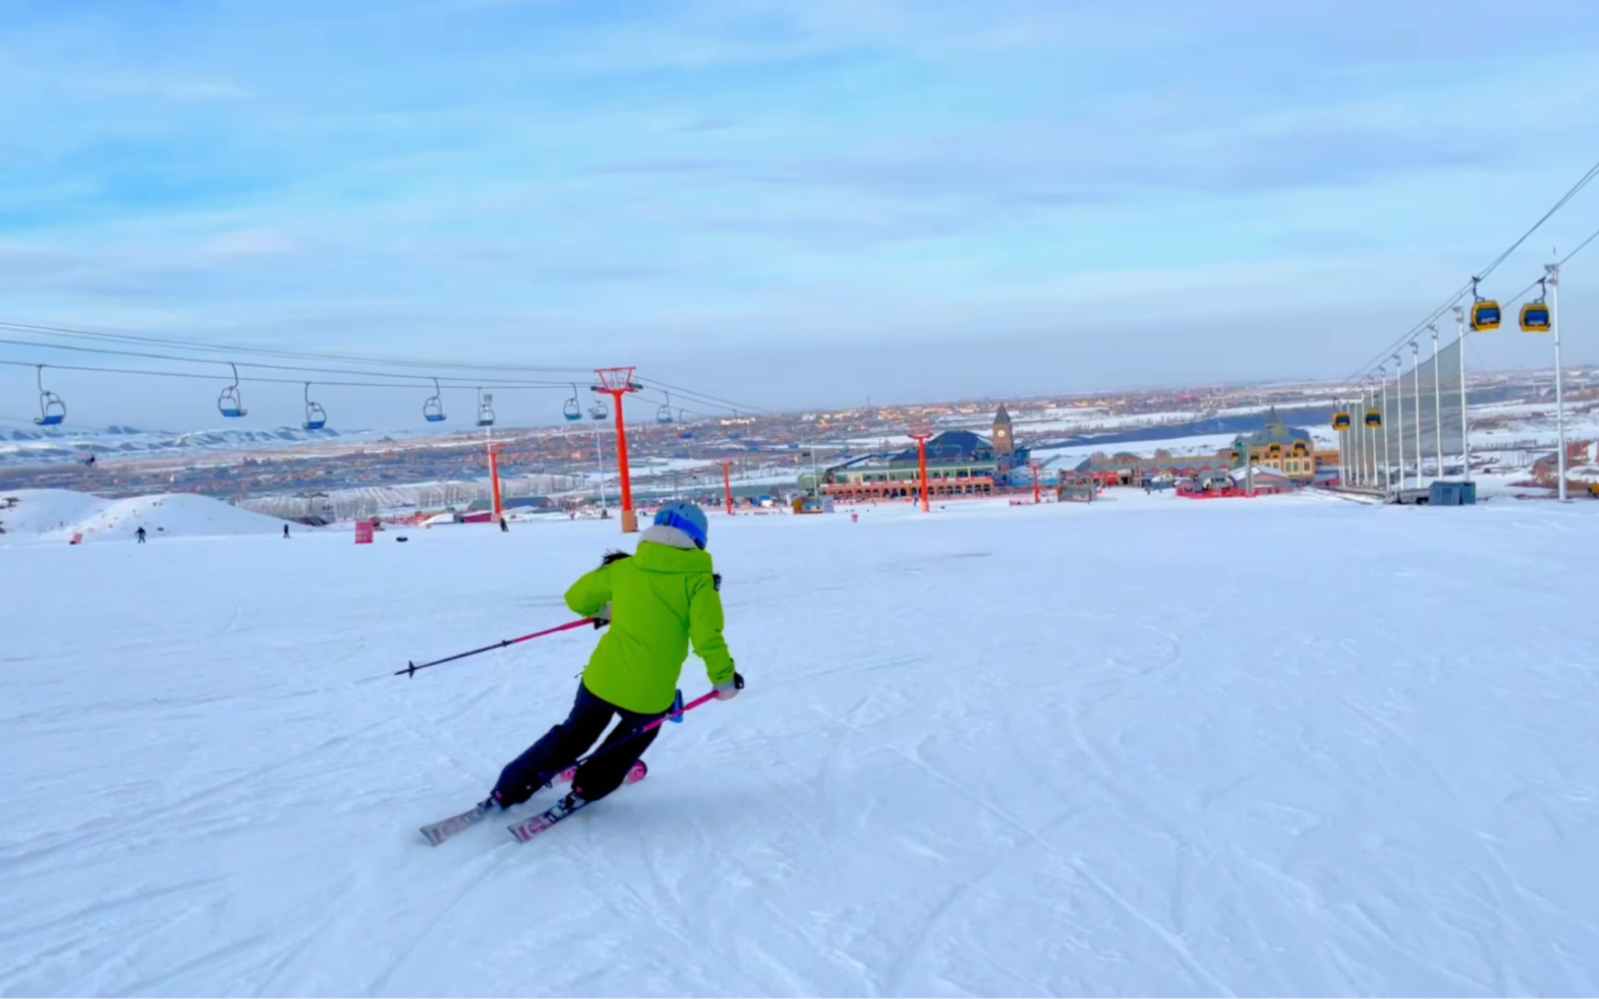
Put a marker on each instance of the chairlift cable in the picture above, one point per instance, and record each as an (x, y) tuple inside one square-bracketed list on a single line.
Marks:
[(68, 331), (497, 383), (262, 379)]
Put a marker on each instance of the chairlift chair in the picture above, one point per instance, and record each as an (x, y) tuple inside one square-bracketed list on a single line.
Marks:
[(599, 410), (664, 414), (573, 411), (51, 409), (229, 403), (485, 409), (315, 416), (433, 406)]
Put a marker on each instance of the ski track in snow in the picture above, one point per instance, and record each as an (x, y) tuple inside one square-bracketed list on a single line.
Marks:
[(1144, 747)]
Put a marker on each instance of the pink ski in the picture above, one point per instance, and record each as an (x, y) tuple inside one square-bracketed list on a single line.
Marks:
[(527, 829), (524, 831), (438, 832)]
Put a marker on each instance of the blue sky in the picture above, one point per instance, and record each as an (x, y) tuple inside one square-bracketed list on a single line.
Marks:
[(790, 202)]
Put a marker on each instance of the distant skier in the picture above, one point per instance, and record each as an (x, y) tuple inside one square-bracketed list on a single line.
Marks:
[(656, 602), (285, 532), (504, 528), (140, 534)]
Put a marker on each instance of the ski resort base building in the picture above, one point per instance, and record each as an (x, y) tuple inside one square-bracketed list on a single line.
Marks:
[(959, 464)]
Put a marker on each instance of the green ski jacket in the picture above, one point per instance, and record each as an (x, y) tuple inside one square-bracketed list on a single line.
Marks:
[(661, 599)]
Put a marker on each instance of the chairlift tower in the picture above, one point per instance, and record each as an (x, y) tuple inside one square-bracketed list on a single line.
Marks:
[(493, 450), (1552, 281), (616, 383), (921, 435)]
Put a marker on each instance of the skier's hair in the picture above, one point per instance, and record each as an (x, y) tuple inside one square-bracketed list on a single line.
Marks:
[(613, 556)]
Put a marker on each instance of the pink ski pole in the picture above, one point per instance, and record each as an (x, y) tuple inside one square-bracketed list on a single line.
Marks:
[(677, 715), (411, 668)]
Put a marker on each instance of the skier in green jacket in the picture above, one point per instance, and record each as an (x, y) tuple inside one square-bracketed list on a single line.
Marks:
[(656, 602)]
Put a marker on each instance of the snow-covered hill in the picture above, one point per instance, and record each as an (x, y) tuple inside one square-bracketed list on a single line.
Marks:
[(44, 445), (58, 514), (1144, 747)]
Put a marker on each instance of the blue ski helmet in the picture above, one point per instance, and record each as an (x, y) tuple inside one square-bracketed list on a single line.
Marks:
[(687, 518)]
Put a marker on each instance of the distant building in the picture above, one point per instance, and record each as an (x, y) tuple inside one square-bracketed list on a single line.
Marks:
[(1004, 440), (959, 463), (1278, 447), (1130, 470), (529, 503), (1580, 457), (1287, 449)]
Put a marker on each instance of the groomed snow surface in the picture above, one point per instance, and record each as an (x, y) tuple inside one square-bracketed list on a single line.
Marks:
[(1149, 746)]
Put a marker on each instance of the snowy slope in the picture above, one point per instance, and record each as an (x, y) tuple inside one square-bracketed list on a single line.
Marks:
[(44, 445), (1147, 746), (58, 514)]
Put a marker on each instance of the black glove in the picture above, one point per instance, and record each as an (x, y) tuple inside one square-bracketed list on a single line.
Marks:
[(603, 618)]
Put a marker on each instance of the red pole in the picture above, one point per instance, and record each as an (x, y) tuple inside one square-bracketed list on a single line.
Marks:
[(629, 518), (494, 473), (727, 484), (616, 383), (1037, 498), (921, 453)]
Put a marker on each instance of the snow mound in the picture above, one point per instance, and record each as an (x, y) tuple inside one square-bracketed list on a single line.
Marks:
[(58, 514)]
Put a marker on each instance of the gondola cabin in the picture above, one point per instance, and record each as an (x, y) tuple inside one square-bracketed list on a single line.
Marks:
[(1535, 318), (1341, 421), (1373, 418), (1485, 315)]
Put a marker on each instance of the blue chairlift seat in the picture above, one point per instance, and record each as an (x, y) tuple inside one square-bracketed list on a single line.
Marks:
[(51, 409), (230, 405), (433, 406), (315, 416)]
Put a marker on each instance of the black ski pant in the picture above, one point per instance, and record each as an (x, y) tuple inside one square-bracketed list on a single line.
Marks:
[(562, 745)]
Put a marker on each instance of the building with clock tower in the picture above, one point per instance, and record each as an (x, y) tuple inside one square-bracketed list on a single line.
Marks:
[(1004, 441)]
